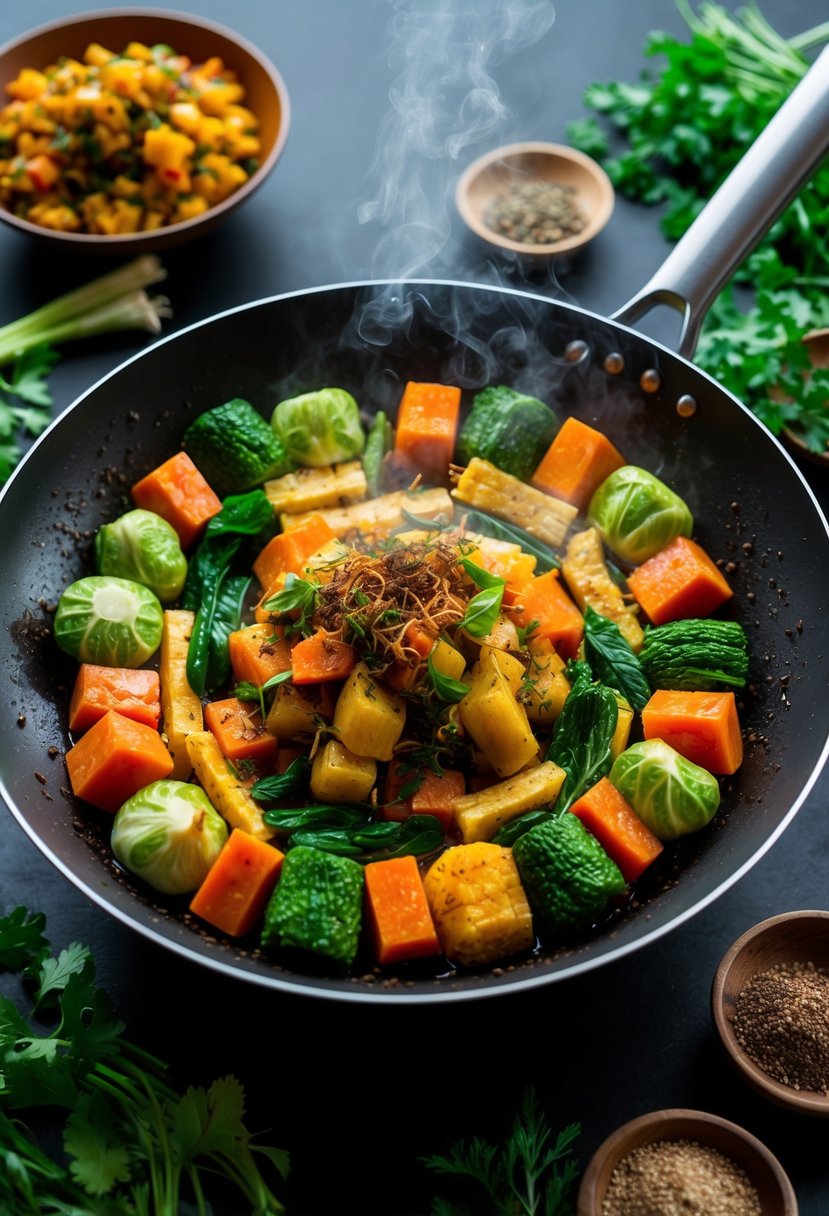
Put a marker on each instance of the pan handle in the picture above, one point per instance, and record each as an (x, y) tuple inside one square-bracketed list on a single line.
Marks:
[(742, 210)]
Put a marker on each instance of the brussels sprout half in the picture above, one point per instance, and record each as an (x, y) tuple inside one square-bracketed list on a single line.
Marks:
[(671, 795), (169, 834), (110, 621), (144, 547), (637, 514), (320, 428)]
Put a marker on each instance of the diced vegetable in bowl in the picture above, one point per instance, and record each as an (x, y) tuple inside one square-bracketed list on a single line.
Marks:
[(430, 727)]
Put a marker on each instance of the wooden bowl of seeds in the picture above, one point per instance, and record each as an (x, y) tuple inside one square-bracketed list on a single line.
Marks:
[(770, 1004), (535, 200), (684, 1160)]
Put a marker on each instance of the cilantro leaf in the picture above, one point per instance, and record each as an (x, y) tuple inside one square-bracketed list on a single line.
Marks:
[(21, 938), (28, 378), (54, 973), (99, 1158)]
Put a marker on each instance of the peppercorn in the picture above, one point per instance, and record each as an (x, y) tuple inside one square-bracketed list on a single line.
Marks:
[(679, 1178), (781, 1021)]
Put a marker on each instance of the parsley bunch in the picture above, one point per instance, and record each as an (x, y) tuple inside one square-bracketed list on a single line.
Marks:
[(685, 127), (134, 1145), (113, 302)]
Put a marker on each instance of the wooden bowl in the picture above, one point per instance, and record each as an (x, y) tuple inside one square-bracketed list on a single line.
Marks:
[(490, 176), (791, 937), (265, 95), (764, 1171)]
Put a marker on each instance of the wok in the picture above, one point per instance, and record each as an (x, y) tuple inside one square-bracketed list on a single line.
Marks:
[(753, 511)]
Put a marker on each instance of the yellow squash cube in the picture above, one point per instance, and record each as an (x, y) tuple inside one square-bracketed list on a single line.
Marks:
[(368, 719), (491, 715), (337, 775), (545, 687), (478, 904), (480, 815), (297, 713), (447, 661)]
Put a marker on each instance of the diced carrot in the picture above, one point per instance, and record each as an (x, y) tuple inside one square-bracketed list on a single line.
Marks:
[(619, 830), (134, 692), (238, 885), (114, 759), (427, 421), (436, 795), (239, 730), (544, 600), (419, 639), (178, 493), (288, 552), (398, 911), (318, 659), (576, 463), (258, 652), (679, 582), (287, 755), (510, 563), (262, 614), (702, 726)]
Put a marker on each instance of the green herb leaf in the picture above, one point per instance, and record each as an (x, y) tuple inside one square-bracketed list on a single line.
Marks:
[(336, 815), (481, 578), (28, 379), (98, 1157), (54, 973), (446, 688), (293, 781), (298, 595), (21, 938), (482, 611), (488, 525), (582, 735), (613, 660)]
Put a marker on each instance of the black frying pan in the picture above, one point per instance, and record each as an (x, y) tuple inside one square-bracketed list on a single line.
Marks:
[(752, 508)]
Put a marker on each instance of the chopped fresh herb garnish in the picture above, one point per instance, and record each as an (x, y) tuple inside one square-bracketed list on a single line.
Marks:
[(446, 688), (482, 611), (292, 782)]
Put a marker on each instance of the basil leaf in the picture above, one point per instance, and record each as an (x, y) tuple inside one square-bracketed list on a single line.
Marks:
[(245, 691), (482, 611), (447, 689), (330, 840), (341, 814), (613, 660), (582, 736), (293, 781), (481, 577), (242, 515), (375, 841)]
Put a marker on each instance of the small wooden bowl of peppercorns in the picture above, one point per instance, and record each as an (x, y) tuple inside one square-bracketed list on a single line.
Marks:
[(535, 200), (770, 1003), (671, 1161)]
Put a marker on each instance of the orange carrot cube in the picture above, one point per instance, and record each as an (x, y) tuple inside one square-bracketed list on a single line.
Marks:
[(609, 817), (178, 493), (318, 659), (543, 599), (288, 552), (115, 759), (576, 463), (258, 652), (134, 692), (427, 422), (435, 795), (679, 582), (398, 912), (238, 885), (702, 726), (239, 730)]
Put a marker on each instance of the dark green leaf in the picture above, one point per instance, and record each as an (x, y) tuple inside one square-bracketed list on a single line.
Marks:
[(446, 688), (481, 578), (507, 835), (21, 938), (482, 611), (99, 1159), (54, 973), (613, 660), (340, 814), (293, 781), (582, 735)]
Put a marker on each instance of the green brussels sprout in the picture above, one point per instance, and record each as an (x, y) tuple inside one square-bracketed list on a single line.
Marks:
[(637, 514), (671, 795), (169, 834), (111, 621), (143, 547), (320, 428)]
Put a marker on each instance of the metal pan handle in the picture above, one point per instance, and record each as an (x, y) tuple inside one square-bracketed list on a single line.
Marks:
[(742, 210)]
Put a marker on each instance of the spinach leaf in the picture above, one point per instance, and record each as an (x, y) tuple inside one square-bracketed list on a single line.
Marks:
[(482, 611), (375, 841), (613, 660), (323, 815), (582, 736), (217, 605), (284, 785)]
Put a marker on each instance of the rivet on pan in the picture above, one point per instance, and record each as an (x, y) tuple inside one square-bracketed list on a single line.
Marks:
[(575, 351), (686, 406), (650, 381), (614, 363)]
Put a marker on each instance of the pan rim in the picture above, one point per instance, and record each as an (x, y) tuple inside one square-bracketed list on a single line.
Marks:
[(444, 991)]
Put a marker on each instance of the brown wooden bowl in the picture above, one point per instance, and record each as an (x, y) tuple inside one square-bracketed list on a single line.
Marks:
[(265, 95), (764, 1171), (488, 177), (791, 937)]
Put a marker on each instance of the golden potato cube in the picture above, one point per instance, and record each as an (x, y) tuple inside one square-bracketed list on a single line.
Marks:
[(623, 724), (368, 719), (497, 723), (296, 713), (478, 904), (447, 660), (545, 687), (480, 815), (510, 667), (337, 775)]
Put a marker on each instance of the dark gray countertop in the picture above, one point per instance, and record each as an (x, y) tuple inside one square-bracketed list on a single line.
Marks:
[(633, 1036)]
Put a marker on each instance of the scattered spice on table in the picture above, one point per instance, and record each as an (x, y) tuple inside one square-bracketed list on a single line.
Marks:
[(535, 212), (679, 1178), (781, 1022)]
